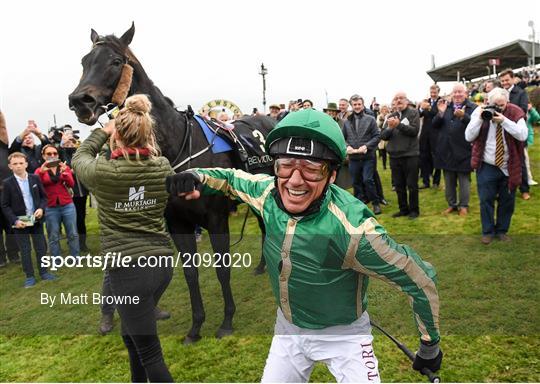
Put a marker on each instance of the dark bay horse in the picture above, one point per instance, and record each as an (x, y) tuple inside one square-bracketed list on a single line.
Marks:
[(178, 136)]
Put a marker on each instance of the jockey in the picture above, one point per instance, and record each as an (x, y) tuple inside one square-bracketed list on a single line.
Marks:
[(321, 247)]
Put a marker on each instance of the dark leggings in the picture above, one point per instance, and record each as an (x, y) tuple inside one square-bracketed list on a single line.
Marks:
[(139, 330), (154, 367)]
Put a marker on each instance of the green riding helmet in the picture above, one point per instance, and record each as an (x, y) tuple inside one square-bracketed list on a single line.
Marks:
[(307, 133)]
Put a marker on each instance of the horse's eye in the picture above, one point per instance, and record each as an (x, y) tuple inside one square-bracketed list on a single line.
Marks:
[(117, 62)]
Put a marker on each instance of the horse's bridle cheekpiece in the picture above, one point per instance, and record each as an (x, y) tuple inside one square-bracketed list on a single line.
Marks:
[(124, 84), (122, 88)]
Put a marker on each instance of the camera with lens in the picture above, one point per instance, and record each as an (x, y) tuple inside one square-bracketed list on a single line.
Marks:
[(55, 133), (489, 111)]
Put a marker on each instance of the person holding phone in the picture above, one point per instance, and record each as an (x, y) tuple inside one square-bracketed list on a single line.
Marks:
[(57, 178), (25, 143)]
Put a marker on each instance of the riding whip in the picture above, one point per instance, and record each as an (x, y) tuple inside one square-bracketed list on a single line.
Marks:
[(425, 371)]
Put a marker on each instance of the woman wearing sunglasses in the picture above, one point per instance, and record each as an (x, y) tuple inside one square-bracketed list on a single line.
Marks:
[(57, 179), (321, 247)]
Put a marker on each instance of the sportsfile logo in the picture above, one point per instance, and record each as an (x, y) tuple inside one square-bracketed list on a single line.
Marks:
[(135, 194), (135, 201)]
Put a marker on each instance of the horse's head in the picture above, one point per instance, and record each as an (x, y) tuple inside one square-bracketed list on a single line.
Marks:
[(102, 70)]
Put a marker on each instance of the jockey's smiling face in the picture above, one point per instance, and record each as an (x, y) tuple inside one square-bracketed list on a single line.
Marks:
[(301, 182)]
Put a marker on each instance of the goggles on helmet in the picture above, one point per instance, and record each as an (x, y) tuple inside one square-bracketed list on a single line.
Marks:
[(309, 169)]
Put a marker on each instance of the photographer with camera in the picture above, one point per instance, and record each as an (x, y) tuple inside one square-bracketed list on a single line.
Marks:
[(25, 144), (497, 132), (57, 179), (453, 151), (56, 134), (68, 145)]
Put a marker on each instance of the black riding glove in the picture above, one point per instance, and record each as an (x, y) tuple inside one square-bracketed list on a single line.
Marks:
[(428, 356), (183, 182)]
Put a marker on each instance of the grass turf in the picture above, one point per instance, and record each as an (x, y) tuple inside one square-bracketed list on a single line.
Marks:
[(490, 320)]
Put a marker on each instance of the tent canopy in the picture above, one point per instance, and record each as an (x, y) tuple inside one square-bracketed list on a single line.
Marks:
[(512, 55)]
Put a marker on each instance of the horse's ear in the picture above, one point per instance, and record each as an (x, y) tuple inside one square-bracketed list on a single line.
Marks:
[(94, 36), (128, 35)]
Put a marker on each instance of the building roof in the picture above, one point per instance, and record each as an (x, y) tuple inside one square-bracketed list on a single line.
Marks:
[(512, 55)]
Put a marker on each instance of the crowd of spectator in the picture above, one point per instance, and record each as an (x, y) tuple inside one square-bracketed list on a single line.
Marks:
[(449, 136), (37, 187)]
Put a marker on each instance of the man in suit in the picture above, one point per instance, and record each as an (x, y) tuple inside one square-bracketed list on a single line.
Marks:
[(453, 151), (428, 139), (24, 195), (401, 131), (518, 97), (362, 136)]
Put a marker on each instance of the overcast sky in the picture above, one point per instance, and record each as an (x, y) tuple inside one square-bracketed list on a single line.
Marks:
[(196, 51)]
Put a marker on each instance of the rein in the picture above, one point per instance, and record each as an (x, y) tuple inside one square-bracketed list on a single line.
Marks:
[(194, 156)]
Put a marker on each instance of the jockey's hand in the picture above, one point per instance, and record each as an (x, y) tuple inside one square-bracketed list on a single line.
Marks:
[(185, 184), (428, 356)]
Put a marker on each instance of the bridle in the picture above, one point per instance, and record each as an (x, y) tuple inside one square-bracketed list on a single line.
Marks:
[(123, 87), (120, 94)]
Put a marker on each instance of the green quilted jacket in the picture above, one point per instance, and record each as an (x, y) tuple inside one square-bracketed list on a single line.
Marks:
[(131, 199), (319, 265)]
